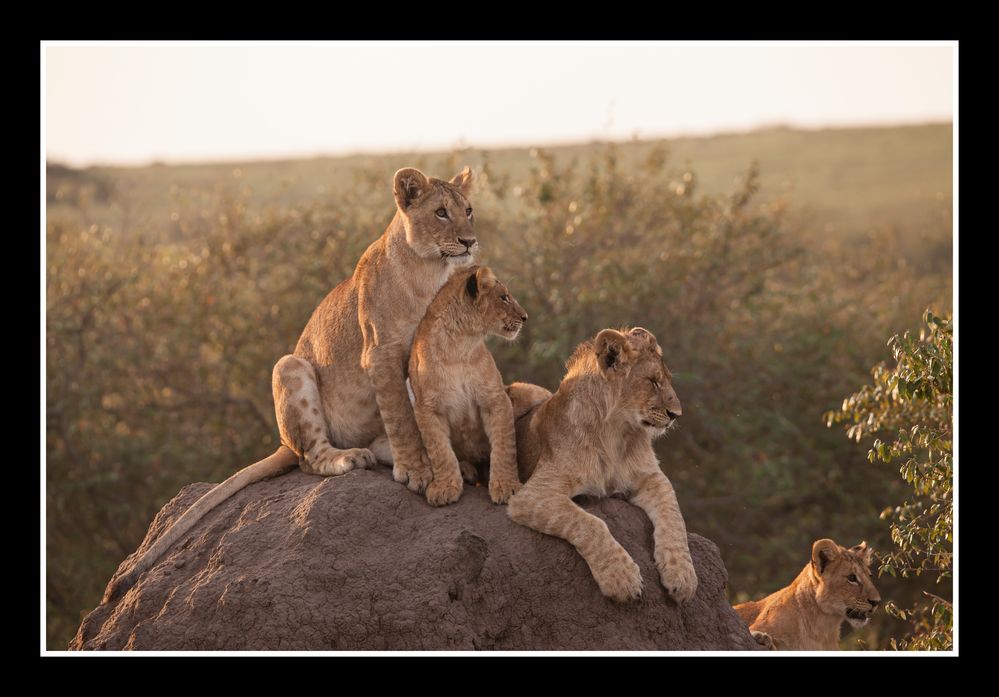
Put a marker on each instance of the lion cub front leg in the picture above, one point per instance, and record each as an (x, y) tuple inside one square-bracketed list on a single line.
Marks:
[(550, 510), (302, 425), (385, 367), (656, 497), (497, 419), (447, 483)]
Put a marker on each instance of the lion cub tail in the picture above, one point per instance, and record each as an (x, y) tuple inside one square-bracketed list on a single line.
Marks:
[(280, 461)]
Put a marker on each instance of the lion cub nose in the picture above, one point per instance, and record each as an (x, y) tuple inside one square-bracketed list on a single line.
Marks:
[(874, 603), (467, 241), (523, 317), (673, 414)]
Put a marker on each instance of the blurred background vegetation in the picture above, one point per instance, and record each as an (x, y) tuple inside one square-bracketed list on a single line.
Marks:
[(773, 267)]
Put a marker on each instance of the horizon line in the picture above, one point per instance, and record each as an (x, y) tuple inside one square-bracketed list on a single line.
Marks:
[(485, 147)]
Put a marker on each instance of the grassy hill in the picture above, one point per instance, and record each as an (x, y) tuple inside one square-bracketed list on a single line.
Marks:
[(844, 182)]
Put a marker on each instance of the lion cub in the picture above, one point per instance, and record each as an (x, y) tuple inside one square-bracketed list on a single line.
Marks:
[(594, 436), (461, 406), (806, 615)]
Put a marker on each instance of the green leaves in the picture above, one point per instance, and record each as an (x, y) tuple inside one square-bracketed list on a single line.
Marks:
[(913, 401)]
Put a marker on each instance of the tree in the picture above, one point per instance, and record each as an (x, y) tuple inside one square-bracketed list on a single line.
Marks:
[(909, 409)]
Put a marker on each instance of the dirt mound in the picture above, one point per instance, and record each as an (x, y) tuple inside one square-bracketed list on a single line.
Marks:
[(359, 562)]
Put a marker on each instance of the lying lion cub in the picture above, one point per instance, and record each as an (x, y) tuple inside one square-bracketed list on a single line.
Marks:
[(806, 615), (594, 436), (461, 406)]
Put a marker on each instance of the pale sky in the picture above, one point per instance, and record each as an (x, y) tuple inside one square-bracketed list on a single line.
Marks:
[(188, 102)]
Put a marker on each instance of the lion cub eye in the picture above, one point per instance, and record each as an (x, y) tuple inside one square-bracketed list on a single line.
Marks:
[(655, 383), (505, 298), (852, 578), (442, 213), (468, 212)]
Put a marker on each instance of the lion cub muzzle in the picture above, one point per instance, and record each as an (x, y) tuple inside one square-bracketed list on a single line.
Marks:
[(857, 617)]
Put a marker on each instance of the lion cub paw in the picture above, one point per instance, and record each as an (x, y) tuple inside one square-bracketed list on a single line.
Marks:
[(500, 490), (419, 480), (416, 475), (468, 472), (764, 640), (415, 479), (445, 490), (335, 462), (678, 577), (620, 578)]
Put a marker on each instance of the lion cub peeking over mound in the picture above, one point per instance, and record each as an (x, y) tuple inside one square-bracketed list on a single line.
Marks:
[(594, 436), (461, 405), (806, 615)]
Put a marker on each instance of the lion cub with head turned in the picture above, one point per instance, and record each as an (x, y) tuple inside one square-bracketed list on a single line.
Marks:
[(806, 615), (461, 407), (594, 436)]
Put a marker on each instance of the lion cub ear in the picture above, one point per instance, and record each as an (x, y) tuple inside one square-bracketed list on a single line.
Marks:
[(485, 277), (463, 180), (865, 552), (823, 552), (408, 185), (614, 353), (644, 339), (482, 279)]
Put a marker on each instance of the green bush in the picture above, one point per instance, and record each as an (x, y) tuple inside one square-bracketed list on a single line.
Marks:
[(911, 407)]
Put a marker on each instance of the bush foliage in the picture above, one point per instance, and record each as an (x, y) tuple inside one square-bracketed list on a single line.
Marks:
[(911, 407)]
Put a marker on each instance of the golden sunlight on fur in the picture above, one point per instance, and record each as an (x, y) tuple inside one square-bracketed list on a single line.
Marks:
[(462, 408), (835, 586), (355, 347), (340, 399), (594, 436)]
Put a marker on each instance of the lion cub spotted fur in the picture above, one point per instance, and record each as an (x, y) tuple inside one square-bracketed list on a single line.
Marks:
[(835, 586), (462, 409), (340, 398), (594, 436)]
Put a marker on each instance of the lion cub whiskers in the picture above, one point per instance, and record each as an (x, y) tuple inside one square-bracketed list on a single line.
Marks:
[(461, 406)]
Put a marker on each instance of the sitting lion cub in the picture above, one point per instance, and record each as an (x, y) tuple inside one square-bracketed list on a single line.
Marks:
[(806, 615), (594, 436), (461, 406)]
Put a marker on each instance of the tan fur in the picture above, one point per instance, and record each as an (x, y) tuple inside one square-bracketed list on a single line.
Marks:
[(594, 436), (355, 348), (526, 397), (462, 408), (807, 614), (340, 398)]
